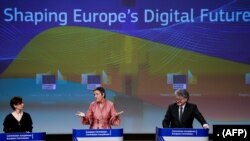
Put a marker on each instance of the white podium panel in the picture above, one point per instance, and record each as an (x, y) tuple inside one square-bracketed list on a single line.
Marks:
[(181, 134), (22, 136), (97, 134)]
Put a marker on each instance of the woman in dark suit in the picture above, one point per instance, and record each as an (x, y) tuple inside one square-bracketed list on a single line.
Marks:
[(17, 121), (181, 114)]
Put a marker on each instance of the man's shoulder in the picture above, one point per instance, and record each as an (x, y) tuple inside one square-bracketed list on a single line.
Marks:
[(173, 105), (191, 105)]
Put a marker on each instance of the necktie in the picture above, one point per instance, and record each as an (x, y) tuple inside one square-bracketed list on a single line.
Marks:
[(180, 113)]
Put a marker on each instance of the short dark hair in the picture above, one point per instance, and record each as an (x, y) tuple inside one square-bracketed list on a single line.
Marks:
[(183, 93), (15, 100), (100, 89)]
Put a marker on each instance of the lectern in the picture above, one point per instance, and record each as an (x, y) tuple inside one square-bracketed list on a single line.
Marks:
[(97, 134), (22, 136), (181, 134)]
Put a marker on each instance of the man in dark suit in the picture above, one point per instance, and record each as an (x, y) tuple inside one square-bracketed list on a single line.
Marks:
[(181, 114)]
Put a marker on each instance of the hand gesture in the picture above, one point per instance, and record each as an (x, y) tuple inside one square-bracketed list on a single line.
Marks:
[(119, 113), (116, 114), (80, 114)]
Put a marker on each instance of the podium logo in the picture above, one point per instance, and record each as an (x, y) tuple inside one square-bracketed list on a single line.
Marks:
[(231, 132)]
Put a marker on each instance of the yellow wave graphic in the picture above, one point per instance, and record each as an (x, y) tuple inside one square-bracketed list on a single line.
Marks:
[(77, 50)]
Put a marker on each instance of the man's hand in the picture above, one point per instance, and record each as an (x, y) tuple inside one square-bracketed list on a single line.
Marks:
[(206, 126)]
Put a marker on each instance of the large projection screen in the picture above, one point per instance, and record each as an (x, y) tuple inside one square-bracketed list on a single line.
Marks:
[(52, 53)]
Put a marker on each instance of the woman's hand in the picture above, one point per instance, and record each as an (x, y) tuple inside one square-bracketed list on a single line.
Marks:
[(119, 113), (80, 114), (115, 116)]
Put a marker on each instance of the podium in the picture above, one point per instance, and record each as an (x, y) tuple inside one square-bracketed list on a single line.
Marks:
[(23, 136), (181, 134), (97, 134)]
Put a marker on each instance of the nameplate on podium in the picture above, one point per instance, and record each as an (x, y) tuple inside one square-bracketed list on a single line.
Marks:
[(97, 134), (181, 134), (23, 136)]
